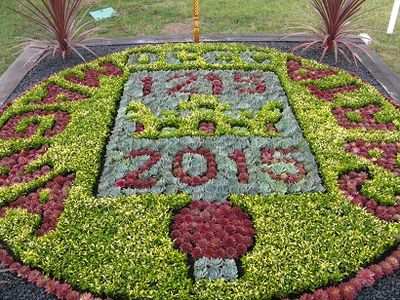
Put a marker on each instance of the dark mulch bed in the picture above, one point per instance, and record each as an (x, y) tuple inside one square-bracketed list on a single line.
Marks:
[(17, 289), (50, 66)]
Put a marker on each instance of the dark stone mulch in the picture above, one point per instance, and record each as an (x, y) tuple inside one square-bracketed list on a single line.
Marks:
[(14, 288), (18, 289)]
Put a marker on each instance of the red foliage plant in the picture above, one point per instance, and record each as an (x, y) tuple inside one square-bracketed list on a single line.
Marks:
[(60, 28), (337, 17), (209, 229)]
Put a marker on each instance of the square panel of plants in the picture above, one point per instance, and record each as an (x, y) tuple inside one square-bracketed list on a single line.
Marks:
[(210, 134), (211, 171)]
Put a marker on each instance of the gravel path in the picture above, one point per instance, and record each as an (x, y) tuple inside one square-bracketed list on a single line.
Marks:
[(17, 289)]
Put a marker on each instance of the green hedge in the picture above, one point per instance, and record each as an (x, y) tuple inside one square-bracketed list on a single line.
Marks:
[(121, 247)]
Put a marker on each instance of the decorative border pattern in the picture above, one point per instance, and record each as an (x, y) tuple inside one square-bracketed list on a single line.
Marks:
[(73, 148)]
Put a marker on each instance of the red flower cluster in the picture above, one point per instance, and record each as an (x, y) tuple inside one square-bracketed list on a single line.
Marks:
[(351, 183), (91, 77), (328, 95), (147, 85), (139, 128), (179, 88), (9, 130), (297, 72), (54, 91), (51, 286), (267, 158), (207, 127), (51, 210), (17, 164), (364, 278), (254, 80), (208, 229), (179, 172), (394, 103), (239, 158), (216, 83), (133, 179), (388, 153), (271, 127), (368, 118)]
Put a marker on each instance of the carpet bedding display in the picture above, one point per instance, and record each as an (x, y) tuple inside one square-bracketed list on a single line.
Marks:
[(210, 171)]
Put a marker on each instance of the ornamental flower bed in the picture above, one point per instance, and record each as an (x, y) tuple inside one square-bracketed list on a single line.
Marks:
[(200, 172)]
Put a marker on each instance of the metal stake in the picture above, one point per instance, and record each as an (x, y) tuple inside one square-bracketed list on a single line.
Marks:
[(196, 31), (393, 17)]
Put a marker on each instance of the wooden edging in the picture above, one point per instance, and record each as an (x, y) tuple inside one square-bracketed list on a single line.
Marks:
[(389, 80), (12, 77), (374, 64)]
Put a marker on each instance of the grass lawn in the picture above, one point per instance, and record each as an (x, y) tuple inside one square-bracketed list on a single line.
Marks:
[(224, 16)]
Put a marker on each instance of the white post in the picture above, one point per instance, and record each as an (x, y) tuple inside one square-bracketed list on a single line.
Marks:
[(393, 17)]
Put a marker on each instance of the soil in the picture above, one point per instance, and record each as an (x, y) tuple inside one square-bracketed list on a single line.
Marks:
[(178, 28)]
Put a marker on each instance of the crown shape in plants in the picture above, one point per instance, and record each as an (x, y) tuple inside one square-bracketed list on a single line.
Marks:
[(214, 235)]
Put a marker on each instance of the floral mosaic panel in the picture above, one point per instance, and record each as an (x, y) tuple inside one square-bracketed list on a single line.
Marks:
[(207, 134), (208, 188)]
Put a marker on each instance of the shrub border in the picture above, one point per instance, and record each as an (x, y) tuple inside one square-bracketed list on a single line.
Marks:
[(130, 51)]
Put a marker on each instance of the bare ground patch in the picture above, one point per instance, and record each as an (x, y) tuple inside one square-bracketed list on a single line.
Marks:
[(178, 28)]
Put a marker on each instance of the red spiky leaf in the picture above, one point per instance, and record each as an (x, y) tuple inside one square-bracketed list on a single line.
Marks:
[(336, 17), (58, 26)]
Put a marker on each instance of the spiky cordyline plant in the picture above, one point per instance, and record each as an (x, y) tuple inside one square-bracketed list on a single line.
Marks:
[(333, 34), (59, 28)]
